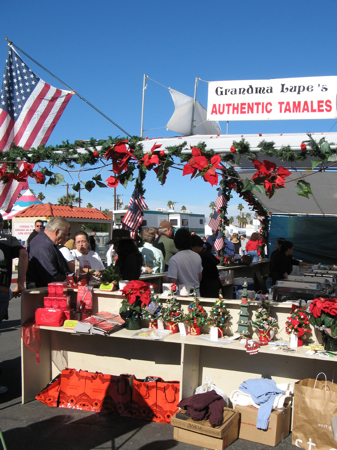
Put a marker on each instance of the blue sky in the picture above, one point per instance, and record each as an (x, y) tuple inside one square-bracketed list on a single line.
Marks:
[(102, 50)]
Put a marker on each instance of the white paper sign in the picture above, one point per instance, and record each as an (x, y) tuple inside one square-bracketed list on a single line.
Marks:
[(182, 329), (213, 333), (276, 99)]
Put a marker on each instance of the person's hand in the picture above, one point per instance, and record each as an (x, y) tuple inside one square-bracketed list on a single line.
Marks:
[(17, 290), (148, 269), (96, 274)]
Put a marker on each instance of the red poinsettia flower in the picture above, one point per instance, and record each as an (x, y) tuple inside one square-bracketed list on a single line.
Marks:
[(120, 156), (137, 288), (200, 163), (150, 160), (112, 182), (271, 176), (39, 177)]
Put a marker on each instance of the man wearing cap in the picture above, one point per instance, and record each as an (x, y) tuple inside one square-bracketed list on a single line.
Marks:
[(10, 248), (166, 237)]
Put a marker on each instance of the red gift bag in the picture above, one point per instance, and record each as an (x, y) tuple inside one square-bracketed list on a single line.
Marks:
[(50, 394), (83, 390), (144, 398), (167, 400), (118, 396)]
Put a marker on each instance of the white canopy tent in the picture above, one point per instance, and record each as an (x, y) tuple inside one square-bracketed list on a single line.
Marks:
[(286, 200)]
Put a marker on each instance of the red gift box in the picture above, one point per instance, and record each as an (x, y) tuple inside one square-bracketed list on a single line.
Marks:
[(57, 289), (49, 317), (62, 303)]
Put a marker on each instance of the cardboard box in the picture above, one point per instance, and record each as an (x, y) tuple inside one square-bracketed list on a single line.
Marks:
[(202, 434), (278, 428)]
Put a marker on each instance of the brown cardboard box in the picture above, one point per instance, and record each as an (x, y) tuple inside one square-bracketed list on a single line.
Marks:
[(278, 428), (202, 434)]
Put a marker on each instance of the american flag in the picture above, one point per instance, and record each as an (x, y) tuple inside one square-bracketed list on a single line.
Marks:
[(219, 242), (29, 111), (220, 201), (133, 218), (215, 221)]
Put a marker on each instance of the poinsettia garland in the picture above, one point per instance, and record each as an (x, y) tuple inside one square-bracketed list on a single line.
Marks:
[(298, 322)]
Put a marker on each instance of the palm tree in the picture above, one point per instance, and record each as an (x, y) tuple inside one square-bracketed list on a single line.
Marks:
[(89, 205), (240, 208), (71, 200), (256, 216), (183, 208), (212, 205), (239, 219), (40, 196), (231, 220), (244, 221), (170, 204), (248, 216)]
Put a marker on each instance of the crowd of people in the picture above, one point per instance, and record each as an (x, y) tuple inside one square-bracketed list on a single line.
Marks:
[(52, 253)]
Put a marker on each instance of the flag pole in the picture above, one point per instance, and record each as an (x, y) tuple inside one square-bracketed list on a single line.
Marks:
[(143, 103), (194, 100), (78, 95)]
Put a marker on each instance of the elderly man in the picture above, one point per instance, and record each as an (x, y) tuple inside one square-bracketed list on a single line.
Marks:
[(38, 226), (46, 263), (10, 248), (89, 260), (166, 237)]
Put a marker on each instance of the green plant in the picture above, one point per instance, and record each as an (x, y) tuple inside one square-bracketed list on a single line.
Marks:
[(110, 275)]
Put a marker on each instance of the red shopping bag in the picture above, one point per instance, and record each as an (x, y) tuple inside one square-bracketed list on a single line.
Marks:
[(50, 394), (144, 398), (167, 400), (83, 390), (118, 396)]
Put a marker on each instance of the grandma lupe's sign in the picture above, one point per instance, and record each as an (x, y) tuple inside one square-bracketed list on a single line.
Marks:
[(277, 99)]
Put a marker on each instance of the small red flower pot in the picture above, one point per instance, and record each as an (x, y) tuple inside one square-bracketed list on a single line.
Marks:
[(195, 331), (173, 327), (265, 336), (221, 332)]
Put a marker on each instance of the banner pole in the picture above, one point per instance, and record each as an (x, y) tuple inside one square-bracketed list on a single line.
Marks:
[(194, 99), (78, 95), (143, 103)]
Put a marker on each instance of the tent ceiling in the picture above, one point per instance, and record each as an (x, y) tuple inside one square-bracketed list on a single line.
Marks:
[(287, 201)]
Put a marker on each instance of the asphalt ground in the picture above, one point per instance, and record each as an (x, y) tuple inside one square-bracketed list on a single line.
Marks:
[(38, 427)]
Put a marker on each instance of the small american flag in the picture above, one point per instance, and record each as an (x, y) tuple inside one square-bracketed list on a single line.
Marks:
[(133, 218), (219, 242), (215, 221), (220, 201), (29, 111)]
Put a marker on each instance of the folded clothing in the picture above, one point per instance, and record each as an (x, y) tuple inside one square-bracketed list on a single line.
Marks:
[(263, 392), (241, 398), (209, 406)]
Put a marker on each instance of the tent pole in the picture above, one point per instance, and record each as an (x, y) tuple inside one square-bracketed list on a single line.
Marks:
[(143, 103), (194, 99)]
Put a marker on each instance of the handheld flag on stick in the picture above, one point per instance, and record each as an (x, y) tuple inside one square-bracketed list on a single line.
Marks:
[(215, 221), (220, 201), (29, 111), (133, 218)]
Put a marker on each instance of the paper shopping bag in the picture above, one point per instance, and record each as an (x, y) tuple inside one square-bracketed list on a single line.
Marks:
[(315, 403), (144, 399), (118, 396), (167, 400)]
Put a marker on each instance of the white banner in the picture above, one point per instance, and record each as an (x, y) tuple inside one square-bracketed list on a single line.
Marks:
[(277, 99), (22, 230)]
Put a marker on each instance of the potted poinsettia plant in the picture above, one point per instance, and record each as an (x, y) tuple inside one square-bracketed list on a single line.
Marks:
[(264, 324), (324, 317), (297, 326), (137, 295)]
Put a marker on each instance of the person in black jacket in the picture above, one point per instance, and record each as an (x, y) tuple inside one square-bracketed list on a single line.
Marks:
[(281, 265), (210, 282), (129, 261)]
